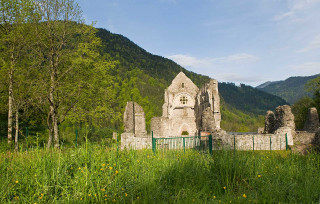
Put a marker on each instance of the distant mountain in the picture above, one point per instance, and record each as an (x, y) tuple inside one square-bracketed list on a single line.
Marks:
[(135, 74), (154, 73), (261, 86), (291, 89)]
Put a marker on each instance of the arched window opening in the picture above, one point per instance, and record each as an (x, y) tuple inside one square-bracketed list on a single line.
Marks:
[(183, 100)]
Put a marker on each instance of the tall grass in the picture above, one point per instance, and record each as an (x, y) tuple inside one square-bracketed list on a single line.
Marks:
[(94, 173)]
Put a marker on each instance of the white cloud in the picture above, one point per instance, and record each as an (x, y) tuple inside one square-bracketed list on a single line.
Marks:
[(190, 61), (236, 58), (230, 68), (296, 7), (239, 78), (308, 67), (314, 44)]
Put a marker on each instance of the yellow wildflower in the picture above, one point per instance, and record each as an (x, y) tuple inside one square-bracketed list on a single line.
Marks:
[(89, 195), (103, 164), (259, 175), (117, 171), (110, 167), (103, 189), (101, 169), (214, 196), (224, 188), (244, 195), (126, 194), (17, 181)]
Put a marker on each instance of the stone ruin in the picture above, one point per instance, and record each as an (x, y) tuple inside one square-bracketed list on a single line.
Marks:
[(135, 134), (207, 108), (312, 122), (188, 110), (309, 137), (134, 119), (282, 121)]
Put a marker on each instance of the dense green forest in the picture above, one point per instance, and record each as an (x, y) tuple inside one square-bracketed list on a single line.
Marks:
[(58, 74), (291, 89)]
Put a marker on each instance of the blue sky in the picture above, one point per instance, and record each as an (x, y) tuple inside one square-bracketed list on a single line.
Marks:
[(241, 41)]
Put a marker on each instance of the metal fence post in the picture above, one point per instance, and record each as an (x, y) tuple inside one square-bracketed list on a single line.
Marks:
[(280, 143), (270, 144), (76, 144), (27, 132), (153, 143), (184, 144), (286, 141), (253, 143), (234, 143), (210, 144), (117, 143)]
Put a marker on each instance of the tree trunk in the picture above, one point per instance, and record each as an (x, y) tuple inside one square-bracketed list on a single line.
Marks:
[(10, 101), (53, 105), (16, 144), (56, 131), (50, 127)]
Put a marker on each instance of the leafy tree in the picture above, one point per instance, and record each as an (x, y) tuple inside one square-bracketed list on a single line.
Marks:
[(300, 110), (16, 18), (67, 53)]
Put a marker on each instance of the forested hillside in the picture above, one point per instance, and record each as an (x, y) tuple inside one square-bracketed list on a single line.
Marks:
[(111, 71), (155, 73), (291, 89)]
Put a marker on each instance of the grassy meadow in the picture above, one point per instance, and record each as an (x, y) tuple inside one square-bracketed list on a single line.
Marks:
[(98, 173)]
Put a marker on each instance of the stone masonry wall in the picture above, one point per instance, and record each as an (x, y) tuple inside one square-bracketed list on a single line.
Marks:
[(250, 142)]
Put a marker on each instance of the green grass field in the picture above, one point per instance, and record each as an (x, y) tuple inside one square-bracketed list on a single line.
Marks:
[(94, 173)]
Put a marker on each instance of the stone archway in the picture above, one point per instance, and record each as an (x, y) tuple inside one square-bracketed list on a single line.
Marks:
[(184, 129)]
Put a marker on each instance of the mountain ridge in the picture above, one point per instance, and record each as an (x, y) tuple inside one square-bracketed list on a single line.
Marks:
[(290, 89)]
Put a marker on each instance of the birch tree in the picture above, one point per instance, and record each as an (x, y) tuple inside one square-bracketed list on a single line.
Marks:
[(68, 50), (15, 21)]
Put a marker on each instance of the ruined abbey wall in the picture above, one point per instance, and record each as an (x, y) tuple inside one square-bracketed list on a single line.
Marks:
[(190, 110)]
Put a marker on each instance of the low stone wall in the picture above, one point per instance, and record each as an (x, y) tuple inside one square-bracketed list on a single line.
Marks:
[(221, 140), (303, 137), (129, 141), (250, 141)]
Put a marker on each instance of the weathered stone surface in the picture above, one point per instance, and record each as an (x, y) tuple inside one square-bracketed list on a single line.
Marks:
[(260, 130), (134, 119), (207, 107), (130, 141), (208, 122), (178, 109), (269, 124), (284, 118), (316, 140), (312, 123), (188, 109)]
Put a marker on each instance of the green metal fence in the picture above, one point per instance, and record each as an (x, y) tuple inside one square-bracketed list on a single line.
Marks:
[(201, 143)]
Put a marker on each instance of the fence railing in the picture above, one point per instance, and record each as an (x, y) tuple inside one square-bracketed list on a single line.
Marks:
[(202, 143), (210, 143)]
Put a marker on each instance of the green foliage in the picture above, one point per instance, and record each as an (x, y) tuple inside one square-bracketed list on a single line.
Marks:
[(233, 120), (300, 110), (93, 174), (249, 99), (291, 89)]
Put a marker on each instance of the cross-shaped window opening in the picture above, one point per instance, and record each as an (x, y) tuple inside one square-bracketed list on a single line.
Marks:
[(183, 100)]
